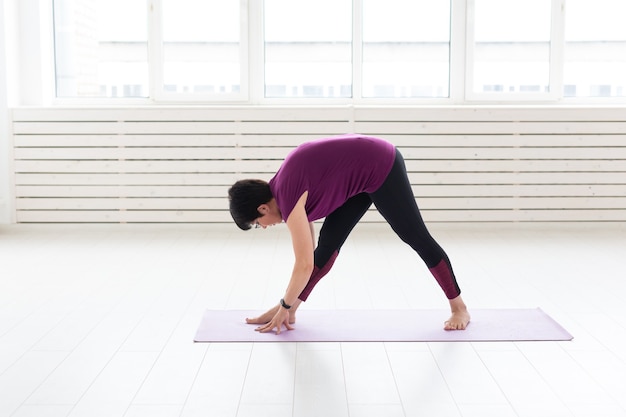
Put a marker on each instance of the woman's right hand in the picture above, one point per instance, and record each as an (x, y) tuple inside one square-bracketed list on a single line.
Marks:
[(265, 317), (269, 315)]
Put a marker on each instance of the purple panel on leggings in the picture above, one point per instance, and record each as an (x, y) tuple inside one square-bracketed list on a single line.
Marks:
[(316, 275), (446, 280)]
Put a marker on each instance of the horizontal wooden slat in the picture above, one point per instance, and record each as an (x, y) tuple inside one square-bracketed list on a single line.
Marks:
[(484, 178), (489, 113), (166, 179), (66, 128), (488, 215), (58, 186), (161, 140), (214, 153), (200, 153), (181, 128), (185, 114), (177, 204), (154, 216), (160, 191), (321, 128), (118, 216), (517, 190), (521, 140), (254, 166), (320, 113), (434, 203), (488, 128), (250, 166), (238, 140)]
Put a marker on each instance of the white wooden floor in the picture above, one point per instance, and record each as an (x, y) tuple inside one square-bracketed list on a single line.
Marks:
[(98, 320)]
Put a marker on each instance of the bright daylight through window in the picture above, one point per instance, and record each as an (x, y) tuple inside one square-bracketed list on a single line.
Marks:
[(201, 47), (101, 48), (350, 50), (595, 49), (512, 51), (308, 50), (406, 48)]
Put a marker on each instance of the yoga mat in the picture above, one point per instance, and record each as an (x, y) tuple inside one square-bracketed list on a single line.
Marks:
[(385, 326)]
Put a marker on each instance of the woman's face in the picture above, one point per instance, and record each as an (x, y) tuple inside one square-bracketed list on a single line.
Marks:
[(270, 216)]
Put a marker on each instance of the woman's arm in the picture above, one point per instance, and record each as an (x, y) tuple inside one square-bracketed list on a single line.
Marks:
[(312, 227), (302, 241)]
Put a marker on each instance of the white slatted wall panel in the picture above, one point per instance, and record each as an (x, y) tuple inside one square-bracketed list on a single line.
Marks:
[(176, 164)]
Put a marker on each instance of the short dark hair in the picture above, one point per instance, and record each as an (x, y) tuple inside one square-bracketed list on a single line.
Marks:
[(244, 197)]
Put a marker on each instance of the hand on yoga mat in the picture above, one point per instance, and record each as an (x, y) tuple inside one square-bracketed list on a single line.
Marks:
[(269, 314), (280, 317)]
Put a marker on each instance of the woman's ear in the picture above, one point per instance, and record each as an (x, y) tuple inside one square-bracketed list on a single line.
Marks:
[(263, 209)]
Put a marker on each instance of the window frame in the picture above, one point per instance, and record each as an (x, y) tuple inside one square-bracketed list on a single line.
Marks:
[(252, 65)]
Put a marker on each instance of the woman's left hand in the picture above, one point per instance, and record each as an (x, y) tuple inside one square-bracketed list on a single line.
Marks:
[(281, 317)]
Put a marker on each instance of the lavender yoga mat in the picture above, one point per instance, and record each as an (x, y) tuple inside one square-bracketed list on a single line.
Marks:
[(385, 326)]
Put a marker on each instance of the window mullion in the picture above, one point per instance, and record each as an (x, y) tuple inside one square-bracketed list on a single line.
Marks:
[(557, 49), (357, 49), (469, 51), (458, 63), (256, 53), (244, 47), (155, 49)]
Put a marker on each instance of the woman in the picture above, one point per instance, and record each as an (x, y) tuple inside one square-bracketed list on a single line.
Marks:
[(338, 179)]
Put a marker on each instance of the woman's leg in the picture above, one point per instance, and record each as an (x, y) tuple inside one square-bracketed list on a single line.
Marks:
[(395, 201), (334, 232)]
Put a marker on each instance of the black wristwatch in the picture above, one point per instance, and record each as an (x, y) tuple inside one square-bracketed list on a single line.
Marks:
[(284, 304)]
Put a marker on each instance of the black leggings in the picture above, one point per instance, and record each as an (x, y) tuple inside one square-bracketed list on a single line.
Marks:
[(396, 203)]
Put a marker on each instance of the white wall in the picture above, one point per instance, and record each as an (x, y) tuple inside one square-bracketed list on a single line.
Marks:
[(5, 195), (26, 76), (34, 52)]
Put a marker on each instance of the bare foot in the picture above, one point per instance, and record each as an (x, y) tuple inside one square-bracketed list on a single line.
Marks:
[(269, 314), (460, 317), (457, 321)]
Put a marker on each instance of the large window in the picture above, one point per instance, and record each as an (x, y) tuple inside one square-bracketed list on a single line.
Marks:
[(340, 51)]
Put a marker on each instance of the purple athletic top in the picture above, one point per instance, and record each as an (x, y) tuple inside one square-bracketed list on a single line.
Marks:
[(332, 170)]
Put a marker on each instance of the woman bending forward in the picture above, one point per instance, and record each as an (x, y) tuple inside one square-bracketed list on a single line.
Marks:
[(338, 179)]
